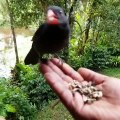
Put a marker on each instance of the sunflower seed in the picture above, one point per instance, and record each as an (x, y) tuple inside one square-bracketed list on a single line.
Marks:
[(88, 90)]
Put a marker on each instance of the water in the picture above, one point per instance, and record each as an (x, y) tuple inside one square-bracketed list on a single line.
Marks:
[(7, 52)]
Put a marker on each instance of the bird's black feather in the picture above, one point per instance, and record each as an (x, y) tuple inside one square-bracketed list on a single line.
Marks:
[(49, 38)]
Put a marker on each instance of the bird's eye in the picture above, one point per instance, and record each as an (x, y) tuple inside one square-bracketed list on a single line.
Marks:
[(61, 12)]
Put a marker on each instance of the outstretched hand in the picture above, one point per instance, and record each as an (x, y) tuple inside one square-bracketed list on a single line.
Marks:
[(59, 76)]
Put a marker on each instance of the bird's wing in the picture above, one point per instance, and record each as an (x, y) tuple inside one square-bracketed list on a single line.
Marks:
[(38, 32)]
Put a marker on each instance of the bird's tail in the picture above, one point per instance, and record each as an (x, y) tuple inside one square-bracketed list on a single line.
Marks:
[(32, 57)]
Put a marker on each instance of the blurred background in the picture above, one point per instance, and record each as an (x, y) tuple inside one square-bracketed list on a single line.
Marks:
[(94, 44)]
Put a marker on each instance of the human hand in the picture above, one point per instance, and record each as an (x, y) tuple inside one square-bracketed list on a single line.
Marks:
[(59, 76)]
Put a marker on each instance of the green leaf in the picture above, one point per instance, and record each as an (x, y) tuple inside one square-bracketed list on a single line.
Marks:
[(10, 108), (23, 68), (3, 113)]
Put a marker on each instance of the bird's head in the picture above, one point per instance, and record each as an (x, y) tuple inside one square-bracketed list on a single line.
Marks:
[(56, 15)]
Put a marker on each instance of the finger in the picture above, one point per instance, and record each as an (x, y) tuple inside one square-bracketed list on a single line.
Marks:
[(59, 72), (60, 88), (55, 68), (78, 100), (67, 70), (90, 75), (44, 68)]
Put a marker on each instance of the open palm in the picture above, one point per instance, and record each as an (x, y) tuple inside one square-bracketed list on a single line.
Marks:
[(60, 75)]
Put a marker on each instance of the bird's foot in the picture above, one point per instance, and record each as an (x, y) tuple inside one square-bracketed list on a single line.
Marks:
[(60, 59)]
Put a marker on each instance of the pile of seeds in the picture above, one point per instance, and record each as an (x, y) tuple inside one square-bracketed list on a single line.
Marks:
[(88, 91)]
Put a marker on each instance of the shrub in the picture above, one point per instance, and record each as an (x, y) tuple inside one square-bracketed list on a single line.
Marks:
[(75, 61), (96, 58), (115, 61), (114, 51), (74, 58), (14, 103), (34, 85)]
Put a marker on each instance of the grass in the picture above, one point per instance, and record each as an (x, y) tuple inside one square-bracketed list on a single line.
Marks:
[(60, 112), (113, 72)]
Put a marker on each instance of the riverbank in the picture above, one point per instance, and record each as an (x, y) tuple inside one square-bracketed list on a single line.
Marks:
[(7, 52)]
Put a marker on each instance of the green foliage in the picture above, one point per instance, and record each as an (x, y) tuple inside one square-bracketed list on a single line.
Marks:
[(14, 103), (74, 58), (115, 61), (4, 19), (96, 58), (114, 51), (75, 61), (30, 12), (34, 85)]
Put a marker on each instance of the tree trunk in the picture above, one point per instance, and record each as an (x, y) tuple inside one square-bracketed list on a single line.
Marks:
[(71, 22), (13, 31), (71, 16), (87, 29)]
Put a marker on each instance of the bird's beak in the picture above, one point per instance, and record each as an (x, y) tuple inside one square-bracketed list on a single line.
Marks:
[(52, 18)]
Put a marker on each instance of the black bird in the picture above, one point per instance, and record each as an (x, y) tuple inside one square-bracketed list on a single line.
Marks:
[(51, 37)]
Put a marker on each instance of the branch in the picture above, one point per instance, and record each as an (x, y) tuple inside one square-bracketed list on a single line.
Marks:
[(79, 26), (71, 10), (13, 30), (65, 3)]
